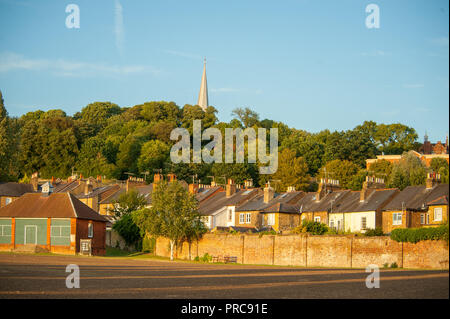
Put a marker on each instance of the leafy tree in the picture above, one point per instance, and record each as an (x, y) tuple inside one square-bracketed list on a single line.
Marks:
[(161, 111), (153, 155), (342, 170), (6, 143), (395, 138), (437, 163), (92, 161), (128, 230), (195, 112), (173, 215), (292, 171), (410, 170), (247, 117), (49, 146), (381, 168), (127, 203), (98, 112)]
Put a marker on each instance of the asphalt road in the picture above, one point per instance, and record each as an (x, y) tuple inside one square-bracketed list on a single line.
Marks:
[(34, 276)]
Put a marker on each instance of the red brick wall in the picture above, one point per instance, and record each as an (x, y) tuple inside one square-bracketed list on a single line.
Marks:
[(315, 251)]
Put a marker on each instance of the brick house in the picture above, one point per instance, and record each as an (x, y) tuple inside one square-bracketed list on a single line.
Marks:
[(12, 191), (277, 211), (315, 206), (417, 206), (218, 210), (54, 222)]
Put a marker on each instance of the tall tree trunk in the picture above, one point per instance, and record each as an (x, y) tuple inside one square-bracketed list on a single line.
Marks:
[(172, 243)]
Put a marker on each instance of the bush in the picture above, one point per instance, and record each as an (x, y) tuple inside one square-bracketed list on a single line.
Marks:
[(129, 231), (394, 265), (148, 244), (414, 235), (378, 231), (314, 228), (267, 232)]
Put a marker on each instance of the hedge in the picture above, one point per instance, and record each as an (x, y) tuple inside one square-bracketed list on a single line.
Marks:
[(414, 235)]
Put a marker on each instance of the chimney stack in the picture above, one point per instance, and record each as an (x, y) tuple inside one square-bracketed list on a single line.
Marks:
[(371, 183), (291, 189), (248, 183), (432, 179), (230, 188), (34, 181), (327, 185), (88, 187), (193, 188), (171, 177), (269, 193)]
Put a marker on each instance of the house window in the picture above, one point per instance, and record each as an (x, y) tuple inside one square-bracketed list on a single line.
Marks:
[(363, 222), (396, 218), (90, 230), (422, 219), (332, 223), (438, 214), (271, 219), (230, 215), (5, 230), (248, 218), (8, 200), (317, 219), (241, 218)]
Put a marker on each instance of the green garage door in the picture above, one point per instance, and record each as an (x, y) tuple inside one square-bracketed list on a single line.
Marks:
[(31, 231), (31, 234)]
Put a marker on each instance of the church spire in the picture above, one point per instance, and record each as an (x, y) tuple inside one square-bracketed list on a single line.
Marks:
[(203, 95)]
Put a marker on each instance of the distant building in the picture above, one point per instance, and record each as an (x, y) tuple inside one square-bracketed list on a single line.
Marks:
[(12, 191), (418, 206), (430, 148), (426, 158), (203, 94)]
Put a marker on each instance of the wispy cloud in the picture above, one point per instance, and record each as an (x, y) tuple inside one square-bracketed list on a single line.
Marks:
[(184, 54), (413, 86), (118, 27), (375, 53), (224, 90), (235, 90), (61, 67)]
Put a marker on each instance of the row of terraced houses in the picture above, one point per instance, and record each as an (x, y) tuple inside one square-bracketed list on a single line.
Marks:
[(56, 215)]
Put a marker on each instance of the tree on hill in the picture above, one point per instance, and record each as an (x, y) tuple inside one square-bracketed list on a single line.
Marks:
[(410, 170), (292, 171), (341, 170), (247, 117), (173, 215)]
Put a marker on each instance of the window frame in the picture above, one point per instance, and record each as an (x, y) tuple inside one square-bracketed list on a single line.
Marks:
[(90, 230), (434, 214), (8, 200), (271, 219), (241, 218), (248, 218), (363, 222), (396, 221), (317, 219)]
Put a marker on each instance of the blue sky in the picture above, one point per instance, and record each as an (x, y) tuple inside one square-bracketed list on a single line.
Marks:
[(313, 65)]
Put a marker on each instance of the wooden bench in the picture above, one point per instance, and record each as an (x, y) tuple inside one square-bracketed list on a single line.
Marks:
[(230, 259)]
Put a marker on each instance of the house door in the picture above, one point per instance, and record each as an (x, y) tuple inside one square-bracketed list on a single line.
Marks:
[(31, 234)]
